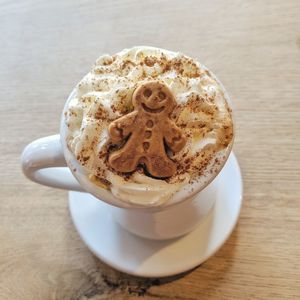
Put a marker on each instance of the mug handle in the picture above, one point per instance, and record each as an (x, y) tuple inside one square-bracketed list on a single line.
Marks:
[(43, 162)]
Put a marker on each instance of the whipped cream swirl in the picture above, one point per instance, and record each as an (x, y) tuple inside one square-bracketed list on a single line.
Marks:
[(104, 95)]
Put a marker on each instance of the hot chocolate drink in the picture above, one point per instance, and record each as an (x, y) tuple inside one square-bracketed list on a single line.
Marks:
[(146, 122)]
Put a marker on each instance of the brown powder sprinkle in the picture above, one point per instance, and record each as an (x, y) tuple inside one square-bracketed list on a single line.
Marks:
[(149, 61)]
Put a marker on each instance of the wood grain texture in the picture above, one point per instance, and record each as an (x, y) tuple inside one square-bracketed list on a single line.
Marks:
[(253, 47)]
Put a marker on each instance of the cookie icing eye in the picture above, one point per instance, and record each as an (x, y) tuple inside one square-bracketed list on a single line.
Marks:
[(161, 96), (147, 93)]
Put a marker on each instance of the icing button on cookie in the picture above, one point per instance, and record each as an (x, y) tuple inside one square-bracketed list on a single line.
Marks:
[(148, 134), (149, 124)]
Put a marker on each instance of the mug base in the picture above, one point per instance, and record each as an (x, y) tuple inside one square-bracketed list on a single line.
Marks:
[(138, 256)]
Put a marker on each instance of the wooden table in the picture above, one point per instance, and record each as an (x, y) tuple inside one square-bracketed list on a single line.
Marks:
[(254, 48)]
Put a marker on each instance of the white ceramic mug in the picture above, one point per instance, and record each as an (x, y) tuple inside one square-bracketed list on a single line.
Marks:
[(49, 162)]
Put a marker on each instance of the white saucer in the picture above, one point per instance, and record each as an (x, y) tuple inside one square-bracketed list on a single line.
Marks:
[(148, 258)]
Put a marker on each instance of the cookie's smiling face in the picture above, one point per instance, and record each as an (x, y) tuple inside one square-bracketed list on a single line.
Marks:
[(154, 97)]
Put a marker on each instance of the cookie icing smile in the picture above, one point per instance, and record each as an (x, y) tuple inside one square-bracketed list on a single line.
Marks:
[(152, 110)]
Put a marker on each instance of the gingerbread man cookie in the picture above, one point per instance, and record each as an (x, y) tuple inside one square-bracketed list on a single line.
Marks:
[(147, 130)]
